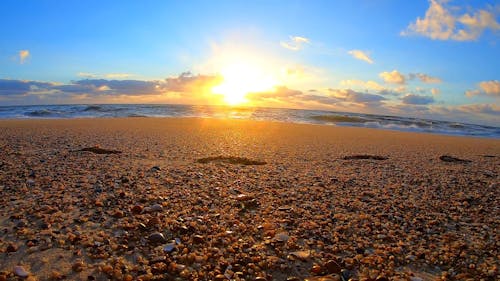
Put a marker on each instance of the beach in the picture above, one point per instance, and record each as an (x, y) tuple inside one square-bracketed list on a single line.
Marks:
[(219, 199)]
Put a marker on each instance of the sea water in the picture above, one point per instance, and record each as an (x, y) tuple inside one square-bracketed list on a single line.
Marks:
[(264, 114)]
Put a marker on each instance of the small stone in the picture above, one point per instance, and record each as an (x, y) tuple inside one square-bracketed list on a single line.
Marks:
[(156, 208), (301, 255), (243, 197), (169, 247), (118, 214), (20, 271), (281, 237), (333, 267), (78, 266), (11, 248), (333, 277), (316, 269), (137, 209), (198, 239), (220, 277), (157, 238), (155, 169)]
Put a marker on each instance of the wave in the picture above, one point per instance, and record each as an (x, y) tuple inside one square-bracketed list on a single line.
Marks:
[(338, 119), (264, 114), (93, 108), (42, 113)]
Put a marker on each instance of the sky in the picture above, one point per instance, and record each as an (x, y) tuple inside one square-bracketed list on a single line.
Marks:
[(430, 59)]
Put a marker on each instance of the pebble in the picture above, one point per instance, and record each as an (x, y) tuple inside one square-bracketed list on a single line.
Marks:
[(154, 208), (281, 237), (198, 239), (157, 238), (333, 267), (169, 247), (301, 255), (21, 271), (11, 248), (137, 209), (118, 214), (78, 266), (333, 277)]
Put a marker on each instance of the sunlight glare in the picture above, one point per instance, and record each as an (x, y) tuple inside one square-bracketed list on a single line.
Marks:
[(240, 79)]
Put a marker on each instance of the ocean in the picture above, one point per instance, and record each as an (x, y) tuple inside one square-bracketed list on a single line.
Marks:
[(264, 114)]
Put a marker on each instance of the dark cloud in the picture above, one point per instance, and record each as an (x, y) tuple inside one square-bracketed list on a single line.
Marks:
[(349, 95), (184, 83), (416, 99), (10, 87)]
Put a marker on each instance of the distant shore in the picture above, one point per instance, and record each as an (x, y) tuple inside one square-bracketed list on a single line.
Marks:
[(217, 199)]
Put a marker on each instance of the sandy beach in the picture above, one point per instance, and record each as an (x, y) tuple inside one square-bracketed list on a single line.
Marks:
[(208, 199)]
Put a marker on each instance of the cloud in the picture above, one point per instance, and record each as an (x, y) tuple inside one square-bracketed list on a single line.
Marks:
[(481, 108), (356, 97), (185, 85), (371, 85), (23, 56), (10, 87), (360, 55), (295, 43), (442, 23), (486, 88), (417, 99), (491, 88), (394, 77), (424, 78), (108, 75), (435, 91)]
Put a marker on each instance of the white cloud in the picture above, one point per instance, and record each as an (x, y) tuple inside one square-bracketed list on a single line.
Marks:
[(107, 75), (442, 23), (360, 55), (394, 77), (23, 56), (486, 88), (435, 91), (424, 78), (295, 43), (491, 88), (370, 85)]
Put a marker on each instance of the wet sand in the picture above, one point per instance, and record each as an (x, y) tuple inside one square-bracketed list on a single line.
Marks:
[(205, 199)]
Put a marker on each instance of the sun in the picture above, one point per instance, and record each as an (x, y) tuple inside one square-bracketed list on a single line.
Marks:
[(241, 78)]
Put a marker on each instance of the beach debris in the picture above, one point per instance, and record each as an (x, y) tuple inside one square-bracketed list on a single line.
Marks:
[(21, 271), (98, 150), (230, 160), (365, 156), (451, 159)]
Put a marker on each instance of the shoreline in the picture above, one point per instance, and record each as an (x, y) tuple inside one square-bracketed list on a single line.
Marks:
[(165, 198), (224, 119)]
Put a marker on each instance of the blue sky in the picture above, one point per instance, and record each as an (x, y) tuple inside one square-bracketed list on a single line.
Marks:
[(437, 59)]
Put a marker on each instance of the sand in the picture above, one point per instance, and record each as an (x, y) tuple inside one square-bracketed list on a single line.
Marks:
[(206, 199)]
